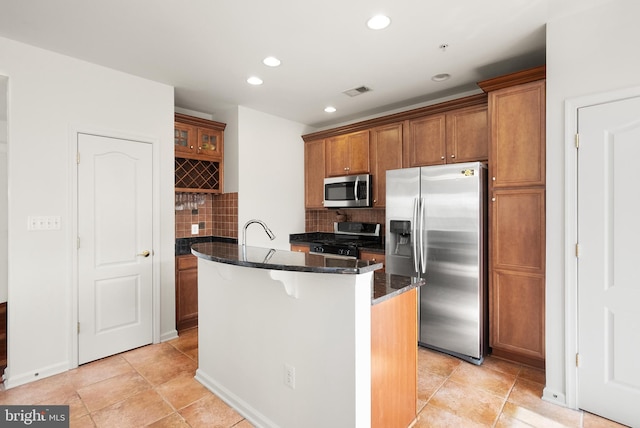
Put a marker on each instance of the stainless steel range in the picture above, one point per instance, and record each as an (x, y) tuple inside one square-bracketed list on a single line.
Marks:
[(348, 238)]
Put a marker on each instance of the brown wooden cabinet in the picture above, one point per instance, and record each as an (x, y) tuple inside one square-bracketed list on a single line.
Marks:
[(426, 141), (199, 154), (386, 154), (518, 135), (347, 154), (299, 248), (374, 257), (200, 138), (314, 173), (186, 292), (456, 136), (517, 216), (467, 135)]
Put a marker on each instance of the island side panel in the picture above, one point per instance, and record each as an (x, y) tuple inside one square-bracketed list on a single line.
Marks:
[(394, 338), (253, 323)]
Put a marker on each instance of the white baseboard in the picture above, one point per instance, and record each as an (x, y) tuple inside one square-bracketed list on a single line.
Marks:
[(554, 397), (256, 418), (11, 381)]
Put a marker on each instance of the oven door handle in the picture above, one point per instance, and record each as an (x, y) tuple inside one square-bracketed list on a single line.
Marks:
[(333, 256)]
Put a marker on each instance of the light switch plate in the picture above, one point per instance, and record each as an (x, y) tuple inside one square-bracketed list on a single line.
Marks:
[(194, 229)]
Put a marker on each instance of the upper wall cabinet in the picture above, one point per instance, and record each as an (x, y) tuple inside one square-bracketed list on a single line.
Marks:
[(199, 153), (386, 154), (426, 142), (198, 138), (314, 174), (460, 135), (347, 154), (518, 135), (467, 135)]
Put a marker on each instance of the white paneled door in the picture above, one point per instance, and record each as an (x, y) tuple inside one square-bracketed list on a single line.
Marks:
[(609, 260), (115, 246)]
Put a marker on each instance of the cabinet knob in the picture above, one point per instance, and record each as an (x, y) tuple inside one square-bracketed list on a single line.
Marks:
[(442, 157), (493, 199), (453, 156), (191, 147), (493, 178)]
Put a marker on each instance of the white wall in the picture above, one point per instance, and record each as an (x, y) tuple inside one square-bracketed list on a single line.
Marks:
[(231, 162), (50, 96), (3, 190), (589, 52), (271, 177)]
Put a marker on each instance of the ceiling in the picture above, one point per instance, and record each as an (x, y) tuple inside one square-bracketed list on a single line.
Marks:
[(207, 49)]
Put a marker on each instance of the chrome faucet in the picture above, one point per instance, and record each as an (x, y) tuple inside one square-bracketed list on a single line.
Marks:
[(261, 223)]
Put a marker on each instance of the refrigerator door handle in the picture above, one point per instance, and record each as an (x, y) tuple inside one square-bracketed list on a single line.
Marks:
[(423, 248), (415, 231)]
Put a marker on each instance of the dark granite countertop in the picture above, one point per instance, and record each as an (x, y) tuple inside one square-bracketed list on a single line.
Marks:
[(183, 245), (385, 285), (269, 258)]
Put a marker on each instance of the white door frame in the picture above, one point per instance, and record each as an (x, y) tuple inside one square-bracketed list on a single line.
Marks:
[(74, 132), (571, 229)]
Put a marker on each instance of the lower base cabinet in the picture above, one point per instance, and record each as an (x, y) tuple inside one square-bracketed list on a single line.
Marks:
[(186, 292), (517, 317), (373, 257)]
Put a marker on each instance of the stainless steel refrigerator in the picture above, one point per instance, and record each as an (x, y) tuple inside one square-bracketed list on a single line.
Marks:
[(435, 229)]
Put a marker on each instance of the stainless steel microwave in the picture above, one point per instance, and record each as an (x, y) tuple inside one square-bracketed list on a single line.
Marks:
[(349, 191)]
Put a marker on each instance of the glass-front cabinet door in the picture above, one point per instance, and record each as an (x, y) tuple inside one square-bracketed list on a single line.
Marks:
[(184, 138), (209, 142)]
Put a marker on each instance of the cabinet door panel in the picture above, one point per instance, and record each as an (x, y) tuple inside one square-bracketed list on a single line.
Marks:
[(209, 142), (314, 174), (518, 230), (467, 135), (426, 142), (386, 154), (337, 156), (184, 138), (358, 153), (517, 313), (517, 117), (186, 292)]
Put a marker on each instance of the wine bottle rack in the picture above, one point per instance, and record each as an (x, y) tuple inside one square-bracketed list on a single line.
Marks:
[(193, 175)]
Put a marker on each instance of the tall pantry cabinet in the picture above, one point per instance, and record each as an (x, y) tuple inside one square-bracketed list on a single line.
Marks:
[(517, 215)]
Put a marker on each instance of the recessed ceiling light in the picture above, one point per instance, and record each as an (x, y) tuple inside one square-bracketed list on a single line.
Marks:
[(271, 61), (378, 22), (253, 80), (441, 77), (330, 109)]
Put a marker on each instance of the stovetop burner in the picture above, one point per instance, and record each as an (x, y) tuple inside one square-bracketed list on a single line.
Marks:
[(347, 238)]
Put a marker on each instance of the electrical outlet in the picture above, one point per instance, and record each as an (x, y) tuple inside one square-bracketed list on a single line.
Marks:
[(194, 229), (290, 376)]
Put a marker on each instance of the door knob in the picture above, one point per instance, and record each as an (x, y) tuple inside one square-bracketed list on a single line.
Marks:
[(145, 253)]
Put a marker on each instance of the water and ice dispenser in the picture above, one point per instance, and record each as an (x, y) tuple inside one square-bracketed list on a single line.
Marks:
[(400, 238)]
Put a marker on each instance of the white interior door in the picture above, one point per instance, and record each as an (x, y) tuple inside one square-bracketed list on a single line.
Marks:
[(115, 246), (608, 265)]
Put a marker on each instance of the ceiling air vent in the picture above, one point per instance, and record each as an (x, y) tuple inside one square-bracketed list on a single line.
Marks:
[(357, 91)]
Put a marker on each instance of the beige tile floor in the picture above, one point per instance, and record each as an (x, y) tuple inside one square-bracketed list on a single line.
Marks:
[(153, 386)]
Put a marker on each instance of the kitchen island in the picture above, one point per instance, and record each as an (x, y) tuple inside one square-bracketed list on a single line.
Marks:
[(289, 340)]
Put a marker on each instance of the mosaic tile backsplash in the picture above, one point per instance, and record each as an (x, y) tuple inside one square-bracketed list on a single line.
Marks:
[(322, 220), (216, 216)]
